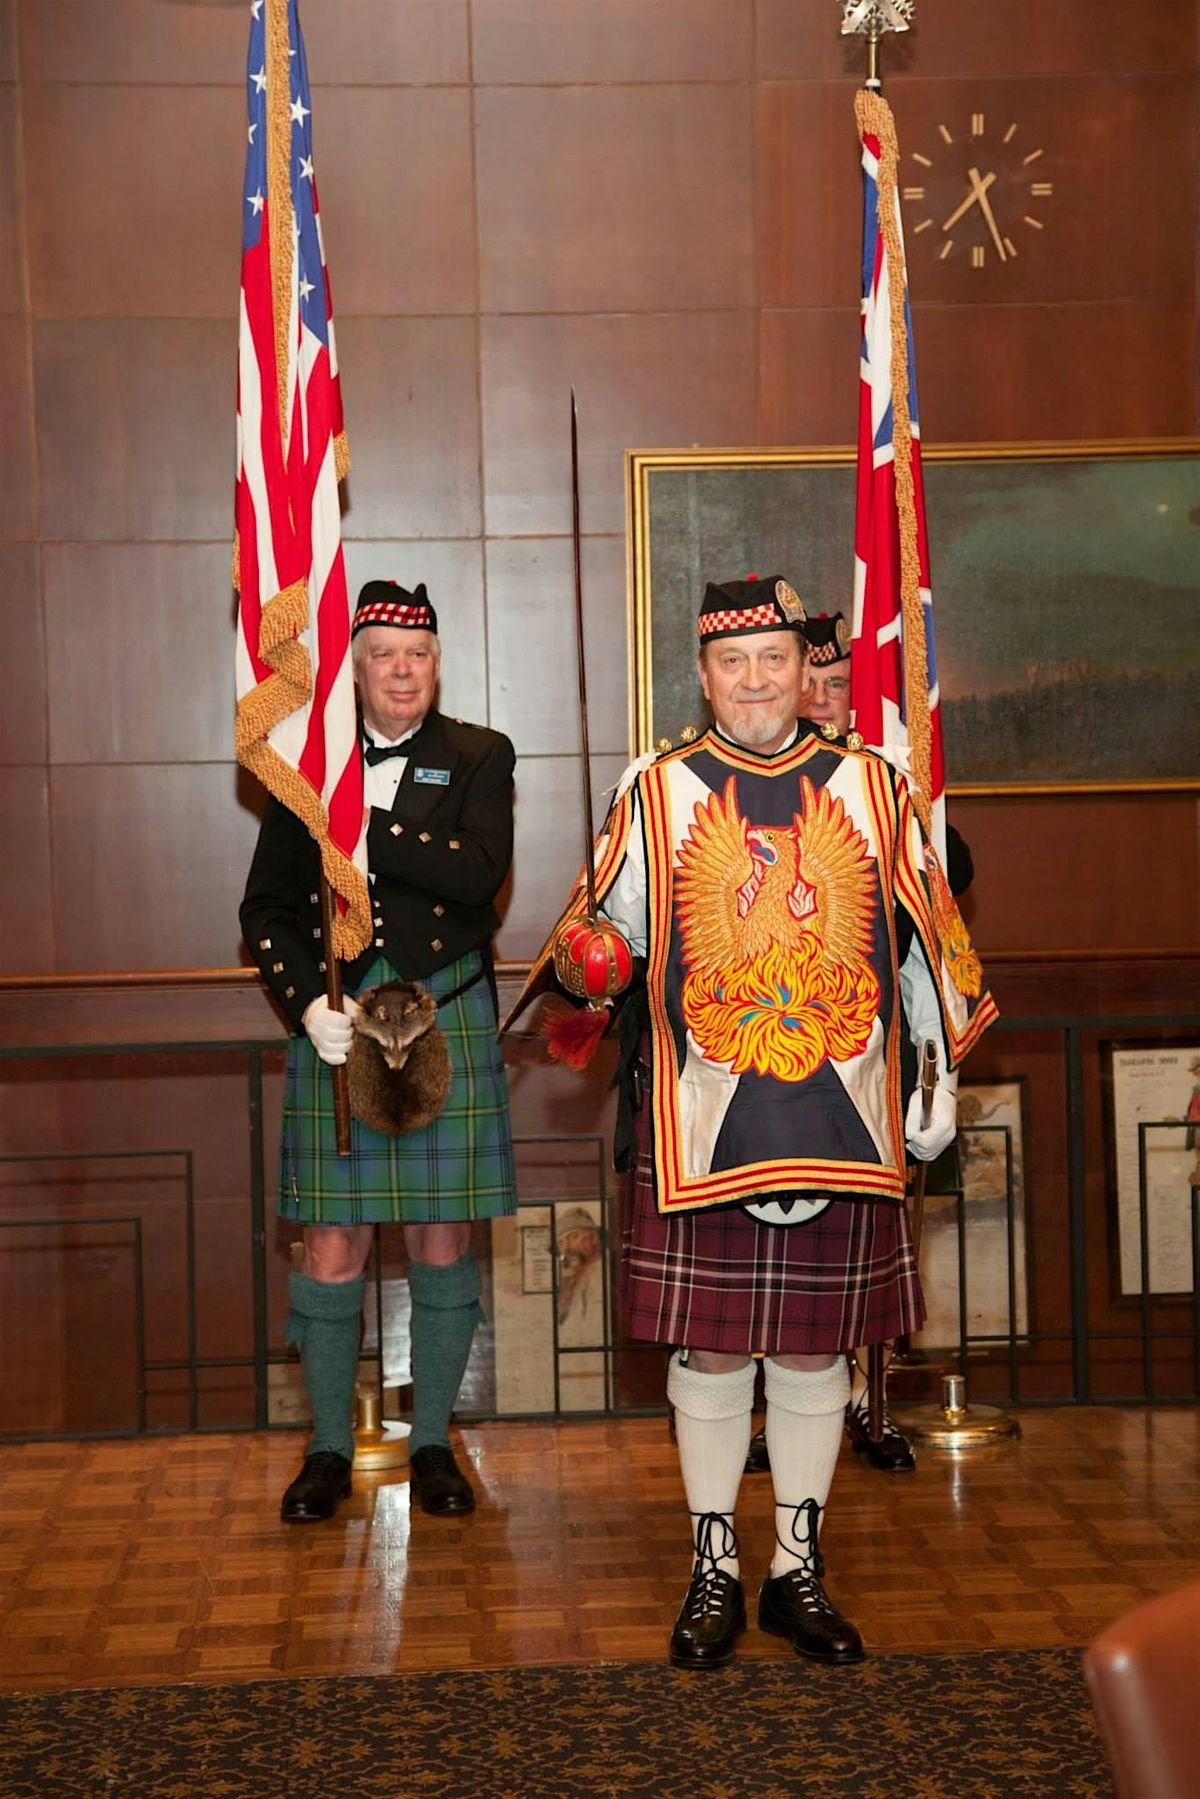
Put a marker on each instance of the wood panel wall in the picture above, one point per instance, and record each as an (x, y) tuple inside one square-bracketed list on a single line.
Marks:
[(656, 200)]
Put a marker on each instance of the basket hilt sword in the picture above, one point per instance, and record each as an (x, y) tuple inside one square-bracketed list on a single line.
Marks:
[(592, 960)]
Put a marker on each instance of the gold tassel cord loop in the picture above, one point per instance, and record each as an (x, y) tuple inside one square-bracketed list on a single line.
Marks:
[(873, 114)]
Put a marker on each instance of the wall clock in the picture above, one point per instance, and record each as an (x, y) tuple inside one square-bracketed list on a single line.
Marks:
[(977, 197)]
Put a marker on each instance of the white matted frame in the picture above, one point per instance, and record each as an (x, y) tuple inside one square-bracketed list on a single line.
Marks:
[(991, 1146), (1153, 1097)]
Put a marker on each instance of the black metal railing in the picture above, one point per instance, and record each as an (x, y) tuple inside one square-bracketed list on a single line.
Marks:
[(1005, 1352)]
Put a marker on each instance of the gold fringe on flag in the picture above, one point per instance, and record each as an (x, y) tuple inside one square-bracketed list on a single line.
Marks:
[(259, 711), (341, 456), (873, 114)]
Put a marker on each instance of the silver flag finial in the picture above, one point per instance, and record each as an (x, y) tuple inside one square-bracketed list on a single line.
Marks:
[(871, 18)]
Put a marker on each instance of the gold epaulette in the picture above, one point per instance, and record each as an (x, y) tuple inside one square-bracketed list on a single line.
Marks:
[(689, 734), (853, 740)]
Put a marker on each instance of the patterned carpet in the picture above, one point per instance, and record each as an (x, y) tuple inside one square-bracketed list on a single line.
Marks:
[(968, 1726)]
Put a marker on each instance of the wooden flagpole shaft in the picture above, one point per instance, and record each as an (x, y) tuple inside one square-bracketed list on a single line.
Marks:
[(333, 993)]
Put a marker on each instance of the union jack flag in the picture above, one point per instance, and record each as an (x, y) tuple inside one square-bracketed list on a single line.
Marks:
[(893, 663), (296, 723)]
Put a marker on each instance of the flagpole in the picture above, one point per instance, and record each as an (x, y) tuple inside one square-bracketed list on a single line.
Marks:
[(870, 19), (279, 139), (294, 636), (333, 993)]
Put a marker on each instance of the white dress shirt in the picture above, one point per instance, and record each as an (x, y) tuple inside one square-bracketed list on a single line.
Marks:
[(381, 779)]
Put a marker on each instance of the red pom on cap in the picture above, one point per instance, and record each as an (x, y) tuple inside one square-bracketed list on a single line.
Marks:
[(752, 577)]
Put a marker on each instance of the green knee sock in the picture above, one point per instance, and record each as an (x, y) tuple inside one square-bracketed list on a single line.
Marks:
[(324, 1323), (445, 1312)]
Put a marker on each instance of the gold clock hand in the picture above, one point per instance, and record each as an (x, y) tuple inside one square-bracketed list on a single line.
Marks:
[(970, 201), (980, 190)]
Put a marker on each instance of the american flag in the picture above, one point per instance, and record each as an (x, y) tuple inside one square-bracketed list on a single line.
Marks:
[(893, 664), (296, 723)]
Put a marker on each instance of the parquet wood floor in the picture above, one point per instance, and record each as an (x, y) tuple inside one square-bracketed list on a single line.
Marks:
[(124, 1563)]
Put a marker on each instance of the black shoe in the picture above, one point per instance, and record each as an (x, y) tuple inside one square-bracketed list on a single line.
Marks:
[(758, 1461), (713, 1613), (314, 1494), (795, 1605), (710, 1621), (438, 1481), (893, 1454)]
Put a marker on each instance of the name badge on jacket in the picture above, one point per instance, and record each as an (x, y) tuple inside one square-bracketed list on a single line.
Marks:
[(432, 777)]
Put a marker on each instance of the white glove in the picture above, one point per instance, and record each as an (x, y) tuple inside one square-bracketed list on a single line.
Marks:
[(926, 1145), (330, 1032)]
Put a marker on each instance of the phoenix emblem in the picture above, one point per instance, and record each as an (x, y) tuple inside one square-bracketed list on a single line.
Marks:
[(776, 925)]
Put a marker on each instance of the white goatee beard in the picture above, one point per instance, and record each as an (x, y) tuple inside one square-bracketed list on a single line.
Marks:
[(759, 728)]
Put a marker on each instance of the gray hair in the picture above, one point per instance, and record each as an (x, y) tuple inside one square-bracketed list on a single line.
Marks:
[(358, 644)]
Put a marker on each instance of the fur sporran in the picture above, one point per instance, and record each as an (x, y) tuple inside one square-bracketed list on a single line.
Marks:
[(399, 1065)]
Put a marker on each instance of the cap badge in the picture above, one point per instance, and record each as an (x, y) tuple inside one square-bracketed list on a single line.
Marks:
[(790, 602)]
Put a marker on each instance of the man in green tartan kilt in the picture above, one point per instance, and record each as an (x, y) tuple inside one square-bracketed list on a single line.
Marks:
[(439, 844)]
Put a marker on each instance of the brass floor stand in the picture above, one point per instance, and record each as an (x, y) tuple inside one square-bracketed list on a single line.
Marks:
[(378, 1447), (954, 1424)]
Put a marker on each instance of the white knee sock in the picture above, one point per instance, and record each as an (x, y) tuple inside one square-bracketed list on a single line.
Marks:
[(712, 1433), (804, 1431)]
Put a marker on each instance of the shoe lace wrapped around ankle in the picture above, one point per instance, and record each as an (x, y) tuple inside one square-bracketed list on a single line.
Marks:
[(805, 1581), (716, 1539), (890, 1431)]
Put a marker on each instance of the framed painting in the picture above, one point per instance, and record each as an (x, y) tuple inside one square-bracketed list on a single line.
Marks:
[(1064, 586), (552, 1308)]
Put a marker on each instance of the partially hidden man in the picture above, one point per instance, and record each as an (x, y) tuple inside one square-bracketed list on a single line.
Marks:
[(764, 871), (439, 845), (825, 697)]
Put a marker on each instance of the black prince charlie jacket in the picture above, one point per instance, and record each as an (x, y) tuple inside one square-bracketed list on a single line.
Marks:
[(438, 858)]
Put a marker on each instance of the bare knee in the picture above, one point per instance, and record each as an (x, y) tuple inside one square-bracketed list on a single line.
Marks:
[(336, 1252), (715, 1361), (437, 1245), (807, 1364)]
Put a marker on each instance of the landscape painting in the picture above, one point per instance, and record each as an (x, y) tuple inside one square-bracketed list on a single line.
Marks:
[(1066, 589)]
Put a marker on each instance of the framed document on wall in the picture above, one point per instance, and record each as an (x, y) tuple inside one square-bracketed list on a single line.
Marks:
[(991, 1152), (1153, 1092), (1064, 587)]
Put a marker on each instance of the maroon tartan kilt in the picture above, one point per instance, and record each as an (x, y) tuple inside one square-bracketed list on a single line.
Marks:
[(719, 1279)]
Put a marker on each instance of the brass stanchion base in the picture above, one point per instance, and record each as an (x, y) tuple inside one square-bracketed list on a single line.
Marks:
[(378, 1447), (953, 1424)]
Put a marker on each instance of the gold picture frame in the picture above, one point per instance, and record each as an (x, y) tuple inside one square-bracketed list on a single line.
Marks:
[(1107, 700)]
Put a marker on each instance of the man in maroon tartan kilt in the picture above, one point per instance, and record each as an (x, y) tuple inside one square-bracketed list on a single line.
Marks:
[(761, 870)]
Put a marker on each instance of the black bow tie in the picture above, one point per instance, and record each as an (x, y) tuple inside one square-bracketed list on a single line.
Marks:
[(374, 753)]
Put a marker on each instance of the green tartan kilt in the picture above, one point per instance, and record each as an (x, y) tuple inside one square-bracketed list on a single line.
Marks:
[(459, 1167)]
